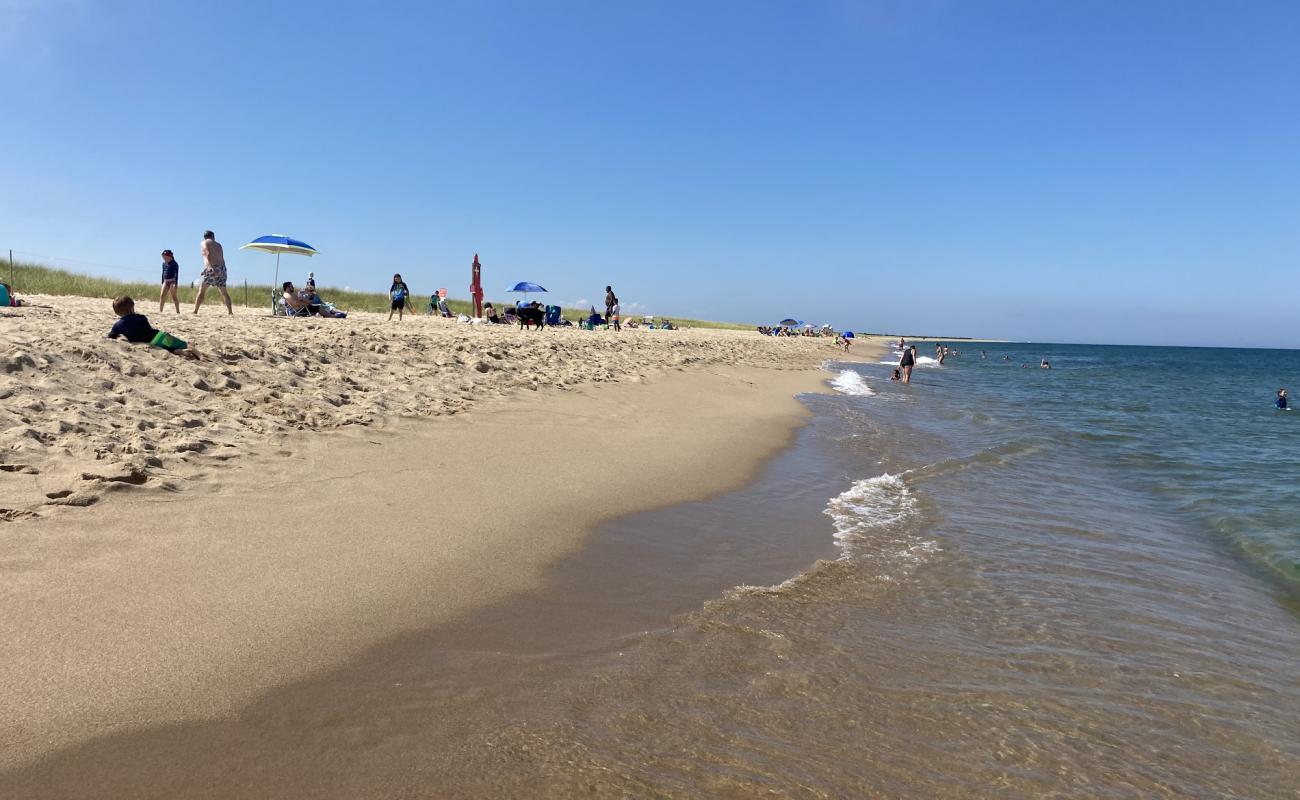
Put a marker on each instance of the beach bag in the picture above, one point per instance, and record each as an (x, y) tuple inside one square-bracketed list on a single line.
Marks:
[(167, 342)]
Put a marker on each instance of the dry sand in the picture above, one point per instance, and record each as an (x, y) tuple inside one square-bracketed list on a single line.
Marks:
[(184, 535)]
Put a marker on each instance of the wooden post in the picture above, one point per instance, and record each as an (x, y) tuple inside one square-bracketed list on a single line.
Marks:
[(245, 292)]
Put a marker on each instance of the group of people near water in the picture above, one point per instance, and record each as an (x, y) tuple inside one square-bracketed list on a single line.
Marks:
[(908, 358)]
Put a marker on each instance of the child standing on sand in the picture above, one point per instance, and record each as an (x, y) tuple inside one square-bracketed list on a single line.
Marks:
[(136, 328), (171, 275), (397, 295)]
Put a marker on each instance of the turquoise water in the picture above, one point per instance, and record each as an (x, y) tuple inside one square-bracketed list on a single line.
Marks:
[(1194, 430)]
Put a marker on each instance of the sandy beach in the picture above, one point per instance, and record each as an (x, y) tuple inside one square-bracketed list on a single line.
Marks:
[(183, 536)]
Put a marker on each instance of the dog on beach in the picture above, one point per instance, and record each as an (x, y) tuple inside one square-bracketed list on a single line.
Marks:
[(532, 315)]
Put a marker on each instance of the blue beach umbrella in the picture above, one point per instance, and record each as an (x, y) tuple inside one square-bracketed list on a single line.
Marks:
[(526, 287), (789, 322), (279, 243), (848, 334)]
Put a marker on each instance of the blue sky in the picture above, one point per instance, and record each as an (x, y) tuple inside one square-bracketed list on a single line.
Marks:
[(1092, 171)]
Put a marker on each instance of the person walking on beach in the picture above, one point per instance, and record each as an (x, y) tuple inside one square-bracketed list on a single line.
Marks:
[(476, 287), (214, 271), (397, 294), (611, 300), (907, 362), (171, 275)]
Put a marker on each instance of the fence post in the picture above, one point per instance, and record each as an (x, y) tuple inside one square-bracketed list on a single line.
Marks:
[(245, 292)]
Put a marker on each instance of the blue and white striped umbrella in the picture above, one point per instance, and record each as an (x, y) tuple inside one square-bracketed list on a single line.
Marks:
[(279, 243)]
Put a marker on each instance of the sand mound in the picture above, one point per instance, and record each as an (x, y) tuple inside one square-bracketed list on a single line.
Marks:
[(83, 415)]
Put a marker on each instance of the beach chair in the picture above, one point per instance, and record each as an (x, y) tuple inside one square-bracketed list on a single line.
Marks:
[(279, 309), (552, 315)]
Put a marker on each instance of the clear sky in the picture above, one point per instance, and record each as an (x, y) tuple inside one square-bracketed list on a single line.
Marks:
[(1063, 171)]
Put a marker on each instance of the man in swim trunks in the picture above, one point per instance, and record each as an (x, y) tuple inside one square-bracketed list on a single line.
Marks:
[(907, 362), (214, 271), (1281, 399)]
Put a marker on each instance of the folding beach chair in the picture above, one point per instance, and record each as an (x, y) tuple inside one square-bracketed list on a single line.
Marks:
[(552, 315), (279, 309)]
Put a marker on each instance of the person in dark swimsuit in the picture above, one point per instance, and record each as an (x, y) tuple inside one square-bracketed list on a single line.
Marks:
[(907, 362), (1281, 399)]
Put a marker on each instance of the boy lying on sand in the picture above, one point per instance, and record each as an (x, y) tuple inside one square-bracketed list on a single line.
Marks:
[(136, 328)]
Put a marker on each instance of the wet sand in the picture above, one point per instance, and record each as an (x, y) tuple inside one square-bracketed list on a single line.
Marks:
[(156, 608)]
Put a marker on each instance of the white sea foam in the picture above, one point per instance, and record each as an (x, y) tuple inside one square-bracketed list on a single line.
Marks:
[(850, 382), (870, 504), (868, 519), (921, 361)]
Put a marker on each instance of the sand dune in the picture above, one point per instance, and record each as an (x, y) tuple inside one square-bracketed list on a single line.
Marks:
[(83, 415)]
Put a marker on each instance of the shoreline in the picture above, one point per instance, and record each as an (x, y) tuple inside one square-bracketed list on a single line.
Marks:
[(240, 604)]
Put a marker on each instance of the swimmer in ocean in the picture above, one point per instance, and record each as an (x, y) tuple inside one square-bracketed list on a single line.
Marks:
[(1045, 364), (1281, 400)]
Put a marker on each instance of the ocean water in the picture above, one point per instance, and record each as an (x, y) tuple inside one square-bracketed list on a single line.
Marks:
[(996, 582), (1075, 582)]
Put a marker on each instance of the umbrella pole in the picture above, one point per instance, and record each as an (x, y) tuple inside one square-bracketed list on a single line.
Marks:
[(277, 281)]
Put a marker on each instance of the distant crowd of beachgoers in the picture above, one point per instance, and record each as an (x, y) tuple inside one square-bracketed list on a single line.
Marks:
[(293, 301)]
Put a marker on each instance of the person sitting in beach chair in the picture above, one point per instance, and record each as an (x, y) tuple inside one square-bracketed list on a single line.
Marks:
[(308, 293), (491, 313), (532, 314), (281, 308), (296, 305), (552, 315)]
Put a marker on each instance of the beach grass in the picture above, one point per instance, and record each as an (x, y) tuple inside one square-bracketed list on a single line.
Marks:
[(27, 278)]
